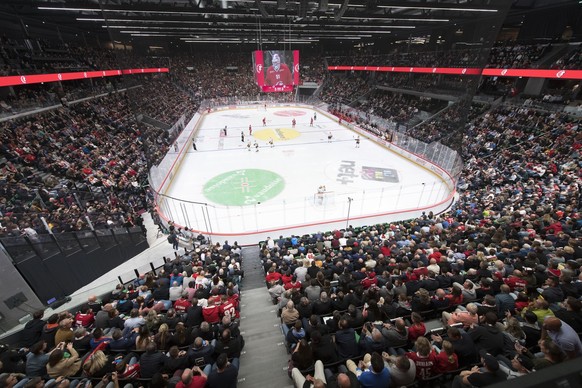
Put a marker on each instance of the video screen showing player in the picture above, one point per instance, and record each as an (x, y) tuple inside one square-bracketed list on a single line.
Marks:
[(277, 72)]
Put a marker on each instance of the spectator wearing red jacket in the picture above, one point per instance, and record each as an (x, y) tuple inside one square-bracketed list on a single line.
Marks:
[(183, 304), (272, 276), (85, 317), (370, 280), (447, 360)]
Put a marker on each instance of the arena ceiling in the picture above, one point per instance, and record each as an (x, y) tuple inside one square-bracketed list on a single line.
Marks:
[(267, 21)]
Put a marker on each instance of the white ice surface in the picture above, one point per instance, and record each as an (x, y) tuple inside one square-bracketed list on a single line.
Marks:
[(305, 163)]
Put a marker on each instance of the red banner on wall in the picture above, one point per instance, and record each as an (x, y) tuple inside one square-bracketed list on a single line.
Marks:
[(529, 73), (14, 80)]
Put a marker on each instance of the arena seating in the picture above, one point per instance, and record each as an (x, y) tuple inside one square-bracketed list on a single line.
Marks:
[(194, 295), (516, 225), (516, 222)]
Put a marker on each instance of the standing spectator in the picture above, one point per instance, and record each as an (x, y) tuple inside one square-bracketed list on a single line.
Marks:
[(32, 330)]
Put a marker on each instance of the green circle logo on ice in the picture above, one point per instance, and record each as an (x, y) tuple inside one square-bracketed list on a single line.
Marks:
[(243, 187)]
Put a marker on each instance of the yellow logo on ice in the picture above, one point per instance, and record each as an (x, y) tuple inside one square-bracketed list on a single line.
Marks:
[(277, 134)]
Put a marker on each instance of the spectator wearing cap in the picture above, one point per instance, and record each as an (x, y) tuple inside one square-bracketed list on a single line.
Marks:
[(518, 366), (477, 377)]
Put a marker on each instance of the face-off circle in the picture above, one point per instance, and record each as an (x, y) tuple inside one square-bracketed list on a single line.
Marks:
[(290, 113), (244, 187)]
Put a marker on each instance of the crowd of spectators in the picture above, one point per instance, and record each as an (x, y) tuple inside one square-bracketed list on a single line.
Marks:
[(444, 123), (571, 60), (19, 57), (450, 58), (504, 264), (162, 100), (511, 55), (398, 107), (503, 55), (104, 150), (176, 327), (344, 88)]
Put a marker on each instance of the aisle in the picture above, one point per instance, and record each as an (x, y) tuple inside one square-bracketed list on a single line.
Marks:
[(264, 361)]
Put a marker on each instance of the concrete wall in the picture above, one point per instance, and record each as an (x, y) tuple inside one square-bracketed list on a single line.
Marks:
[(13, 284)]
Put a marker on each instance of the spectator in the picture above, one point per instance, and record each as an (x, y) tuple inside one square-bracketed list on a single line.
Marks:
[(345, 340), (487, 336), (424, 359), (61, 365), (192, 378), (476, 377), (447, 360), (375, 375), (151, 362), (32, 331), (563, 336), (466, 318), (224, 376)]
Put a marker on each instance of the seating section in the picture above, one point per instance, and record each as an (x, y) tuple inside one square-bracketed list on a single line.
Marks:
[(476, 282), (185, 313), (505, 257)]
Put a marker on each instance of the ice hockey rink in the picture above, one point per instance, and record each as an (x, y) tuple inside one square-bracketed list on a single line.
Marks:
[(312, 176)]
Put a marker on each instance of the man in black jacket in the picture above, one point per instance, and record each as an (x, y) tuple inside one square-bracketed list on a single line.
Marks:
[(232, 346), (201, 353), (32, 330), (345, 340), (488, 336), (152, 361), (194, 315)]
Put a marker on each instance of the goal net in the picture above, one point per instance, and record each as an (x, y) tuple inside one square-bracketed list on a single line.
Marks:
[(324, 198)]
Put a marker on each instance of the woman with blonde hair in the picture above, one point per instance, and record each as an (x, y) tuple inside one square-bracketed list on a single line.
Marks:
[(162, 337), (424, 358), (98, 364), (152, 320), (447, 360)]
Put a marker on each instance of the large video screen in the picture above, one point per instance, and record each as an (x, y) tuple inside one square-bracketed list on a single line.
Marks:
[(276, 70)]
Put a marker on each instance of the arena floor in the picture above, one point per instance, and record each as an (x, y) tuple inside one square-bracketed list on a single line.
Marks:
[(252, 185)]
